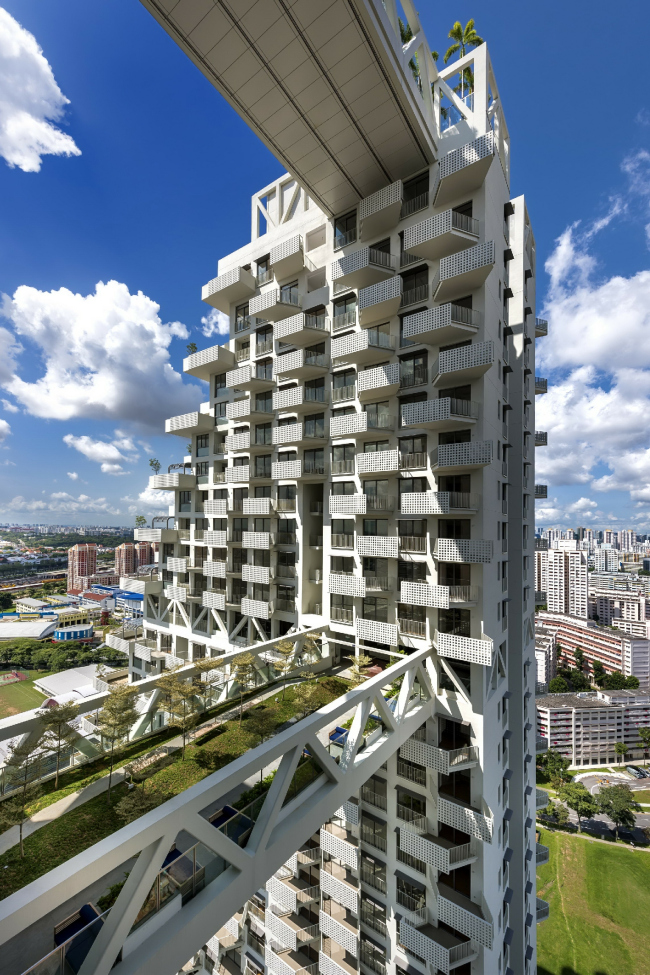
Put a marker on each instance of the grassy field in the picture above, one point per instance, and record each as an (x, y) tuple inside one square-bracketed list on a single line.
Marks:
[(21, 696), (600, 900)]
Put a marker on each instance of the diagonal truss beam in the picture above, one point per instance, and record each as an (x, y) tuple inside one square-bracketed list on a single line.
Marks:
[(279, 831)]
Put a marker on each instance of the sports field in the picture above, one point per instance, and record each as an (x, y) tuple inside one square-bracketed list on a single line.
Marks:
[(22, 695), (599, 896)]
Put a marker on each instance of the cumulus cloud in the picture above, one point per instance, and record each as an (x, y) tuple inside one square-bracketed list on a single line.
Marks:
[(110, 454), (215, 323), (60, 502), (5, 430), (9, 407), (106, 356), (153, 502), (31, 101), (73, 475)]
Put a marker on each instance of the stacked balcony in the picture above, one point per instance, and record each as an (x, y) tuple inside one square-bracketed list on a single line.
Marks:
[(301, 364), (541, 328), (275, 304), (459, 457), (253, 377), (378, 546), (280, 961), (290, 928), (258, 540), (257, 506), (443, 234), (541, 491), (542, 910), (443, 760), (438, 502), (541, 385), (232, 287), (380, 301), (172, 482), (442, 324), (464, 648), (177, 594), (472, 550), (378, 461), (442, 950), (213, 599), (346, 585), (361, 425), (464, 818), (334, 924), (541, 438), (338, 883), (301, 330), (464, 272), (244, 409), (542, 854), (436, 851), (363, 348), (463, 170), (462, 914), (463, 364), (363, 268), (238, 441), (386, 633), (292, 892), (384, 381), (288, 258), (238, 475), (300, 399), (422, 594), (259, 608), (204, 364), (379, 212), (340, 843), (440, 414)]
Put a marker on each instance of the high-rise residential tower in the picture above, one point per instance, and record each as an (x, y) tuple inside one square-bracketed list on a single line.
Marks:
[(125, 558), (82, 563)]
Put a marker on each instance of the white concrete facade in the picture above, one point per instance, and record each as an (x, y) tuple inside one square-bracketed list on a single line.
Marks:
[(563, 576)]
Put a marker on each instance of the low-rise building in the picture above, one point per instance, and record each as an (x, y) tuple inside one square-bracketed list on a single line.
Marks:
[(585, 727), (98, 601), (82, 632), (545, 657), (613, 648), (38, 629), (25, 604)]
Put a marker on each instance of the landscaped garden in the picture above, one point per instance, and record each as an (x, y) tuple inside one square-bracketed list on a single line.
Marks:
[(21, 696), (82, 827)]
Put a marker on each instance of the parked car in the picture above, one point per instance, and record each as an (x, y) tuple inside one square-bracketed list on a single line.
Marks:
[(634, 771)]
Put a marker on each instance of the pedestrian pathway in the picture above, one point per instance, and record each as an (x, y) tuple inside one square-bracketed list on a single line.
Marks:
[(44, 817)]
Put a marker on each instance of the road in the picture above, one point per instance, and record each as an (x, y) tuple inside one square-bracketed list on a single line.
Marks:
[(601, 824)]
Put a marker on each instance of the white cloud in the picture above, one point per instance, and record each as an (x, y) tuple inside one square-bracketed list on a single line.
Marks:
[(215, 323), (5, 430), (73, 475), (30, 97), (61, 502), (106, 356), (154, 502), (9, 407), (110, 455)]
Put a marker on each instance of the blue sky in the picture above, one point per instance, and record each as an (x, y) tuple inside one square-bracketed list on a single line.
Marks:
[(143, 205)]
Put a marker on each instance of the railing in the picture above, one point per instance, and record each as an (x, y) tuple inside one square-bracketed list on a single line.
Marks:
[(413, 774), (373, 798), (342, 240), (417, 821), (415, 461), (286, 504), (416, 628), (342, 467), (373, 838), (346, 320), (342, 540), (341, 615), (420, 202), (243, 324), (414, 295), (413, 543), (341, 394)]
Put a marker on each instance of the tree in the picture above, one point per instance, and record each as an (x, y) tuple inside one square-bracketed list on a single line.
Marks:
[(356, 671), (617, 802), (208, 674), (463, 38), (614, 682), (184, 709), (632, 682), (558, 685), (579, 798), (599, 672), (263, 722), (58, 734), (191, 348), (311, 647), (6, 601), (620, 748), (286, 663), (154, 464), (555, 766), (140, 521), (22, 772), (104, 618), (303, 697), (578, 681), (244, 672), (189, 447), (115, 720), (644, 738), (579, 657), (136, 803)]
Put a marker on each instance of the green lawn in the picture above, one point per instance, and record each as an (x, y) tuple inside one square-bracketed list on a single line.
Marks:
[(21, 696), (599, 897)]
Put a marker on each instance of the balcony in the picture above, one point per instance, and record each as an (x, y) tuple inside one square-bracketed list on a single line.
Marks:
[(286, 962), (436, 851), (340, 843), (346, 585), (440, 414), (464, 272), (232, 287), (335, 925), (275, 304), (288, 433), (377, 461), (442, 324), (238, 441), (342, 540), (541, 745), (363, 348), (261, 574), (172, 482), (542, 910), (462, 914), (378, 546), (541, 491), (541, 438), (286, 470), (178, 594), (238, 475), (380, 301), (347, 504), (259, 608), (373, 630), (361, 425), (245, 409), (465, 363), (463, 170), (437, 502), (204, 364), (301, 330), (300, 399), (347, 319), (412, 628), (290, 929), (416, 461), (542, 854), (443, 760), (462, 817), (253, 377), (288, 258), (177, 565), (464, 648), (413, 544), (363, 268), (384, 380), (458, 457), (441, 949), (257, 506), (541, 385), (541, 328), (336, 882), (463, 550), (301, 364), (421, 594), (436, 237), (258, 540), (380, 211), (213, 599)]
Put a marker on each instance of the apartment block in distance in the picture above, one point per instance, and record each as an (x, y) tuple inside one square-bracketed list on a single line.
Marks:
[(363, 466)]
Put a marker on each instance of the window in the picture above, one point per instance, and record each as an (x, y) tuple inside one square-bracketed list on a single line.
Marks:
[(264, 369), (377, 490), (220, 384), (411, 571), (263, 466), (455, 621), (345, 229), (343, 460), (375, 446), (415, 194), (263, 433), (344, 312), (413, 370), (378, 415), (373, 872), (289, 293), (411, 485), (264, 340), (314, 461), (346, 378), (264, 402), (242, 321), (343, 487), (376, 526), (454, 528), (202, 470), (342, 608), (455, 436), (314, 426), (263, 491), (263, 270), (203, 445), (220, 410), (412, 527), (184, 500), (315, 391), (415, 286)]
